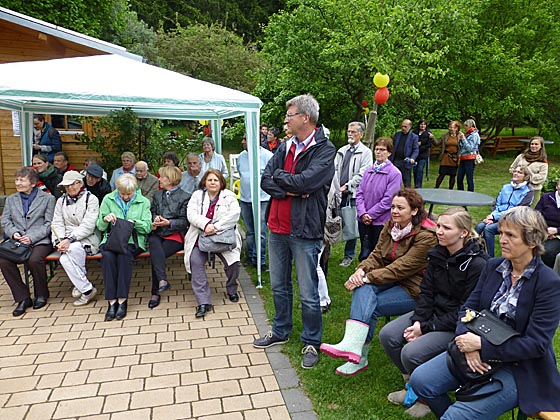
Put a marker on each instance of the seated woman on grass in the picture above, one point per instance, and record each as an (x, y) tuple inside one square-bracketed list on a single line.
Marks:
[(386, 283), (454, 266)]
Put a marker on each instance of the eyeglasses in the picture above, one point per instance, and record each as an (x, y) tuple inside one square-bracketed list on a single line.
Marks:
[(74, 184), (293, 115), (377, 149)]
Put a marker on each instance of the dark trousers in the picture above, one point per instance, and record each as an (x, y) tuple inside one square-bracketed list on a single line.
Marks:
[(160, 249), (200, 284), (466, 167), (551, 249), (37, 268), (117, 272), (406, 173), (369, 235)]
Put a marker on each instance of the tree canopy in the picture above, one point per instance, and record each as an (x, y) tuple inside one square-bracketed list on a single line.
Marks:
[(489, 60)]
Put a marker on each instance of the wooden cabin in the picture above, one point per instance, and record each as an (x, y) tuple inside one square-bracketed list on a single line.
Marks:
[(23, 38)]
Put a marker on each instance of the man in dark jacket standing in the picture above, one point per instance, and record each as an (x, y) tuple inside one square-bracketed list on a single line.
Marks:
[(298, 178), (405, 152), (47, 140)]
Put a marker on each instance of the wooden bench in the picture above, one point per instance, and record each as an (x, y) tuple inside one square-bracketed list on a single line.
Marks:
[(54, 257), (505, 144), (544, 415)]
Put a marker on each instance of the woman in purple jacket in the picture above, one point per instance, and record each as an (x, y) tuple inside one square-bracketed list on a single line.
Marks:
[(374, 195), (548, 206)]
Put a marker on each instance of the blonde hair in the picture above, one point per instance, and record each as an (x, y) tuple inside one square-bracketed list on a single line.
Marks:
[(126, 183), (463, 221), (172, 173)]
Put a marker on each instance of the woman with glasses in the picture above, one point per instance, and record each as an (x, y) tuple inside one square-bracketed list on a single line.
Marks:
[(74, 234)]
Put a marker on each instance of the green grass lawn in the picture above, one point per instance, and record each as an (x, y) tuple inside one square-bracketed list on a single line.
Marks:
[(364, 396)]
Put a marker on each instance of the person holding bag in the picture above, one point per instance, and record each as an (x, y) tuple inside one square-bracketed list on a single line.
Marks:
[(123, 207), (27, 220), (523, 293), (212, 210)]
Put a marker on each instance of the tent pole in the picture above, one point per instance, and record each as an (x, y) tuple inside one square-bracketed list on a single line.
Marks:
[(26, 137), (252, 133)]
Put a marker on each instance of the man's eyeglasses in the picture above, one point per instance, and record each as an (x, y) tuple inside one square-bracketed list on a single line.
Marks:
[(293, 115)]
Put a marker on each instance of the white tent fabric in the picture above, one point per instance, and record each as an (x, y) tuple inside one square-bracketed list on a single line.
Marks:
[(97, 85)]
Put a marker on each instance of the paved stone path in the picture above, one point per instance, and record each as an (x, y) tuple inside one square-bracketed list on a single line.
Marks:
[(66, 362)]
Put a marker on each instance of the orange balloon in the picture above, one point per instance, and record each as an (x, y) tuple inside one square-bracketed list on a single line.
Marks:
[(381, 95)]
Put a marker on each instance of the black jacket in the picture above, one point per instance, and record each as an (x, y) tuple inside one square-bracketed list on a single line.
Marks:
[(446, 285), (313, 175), (173, 208), (100, 190)]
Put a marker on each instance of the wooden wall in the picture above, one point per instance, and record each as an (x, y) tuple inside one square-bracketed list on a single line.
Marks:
[(10, 152), (18, 43)]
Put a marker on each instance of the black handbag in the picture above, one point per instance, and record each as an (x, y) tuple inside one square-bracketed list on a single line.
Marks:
[(118, 236), (484, 324), (15, 251)]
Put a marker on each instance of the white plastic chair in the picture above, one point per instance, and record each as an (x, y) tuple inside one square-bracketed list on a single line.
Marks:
[(234, 173)]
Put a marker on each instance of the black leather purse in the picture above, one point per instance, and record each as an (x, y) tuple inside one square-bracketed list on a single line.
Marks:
[(118, 236), (484, 324), (15, 251)]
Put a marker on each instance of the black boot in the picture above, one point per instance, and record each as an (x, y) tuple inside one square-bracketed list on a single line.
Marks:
[(121, 312), (112, 311)]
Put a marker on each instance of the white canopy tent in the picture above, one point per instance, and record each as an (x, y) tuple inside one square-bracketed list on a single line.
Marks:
[(97, 85)]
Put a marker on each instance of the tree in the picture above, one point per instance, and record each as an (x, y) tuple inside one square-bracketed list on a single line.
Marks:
[(488, 60), (97, 18), (210, 53)]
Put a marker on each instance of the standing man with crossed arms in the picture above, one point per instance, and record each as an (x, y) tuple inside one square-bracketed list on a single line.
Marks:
[(298, 178)]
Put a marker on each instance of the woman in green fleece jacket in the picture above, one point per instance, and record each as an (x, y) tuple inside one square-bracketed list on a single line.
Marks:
[(126, 202)]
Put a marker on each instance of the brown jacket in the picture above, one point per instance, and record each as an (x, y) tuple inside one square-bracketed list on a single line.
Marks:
[(404, 261)]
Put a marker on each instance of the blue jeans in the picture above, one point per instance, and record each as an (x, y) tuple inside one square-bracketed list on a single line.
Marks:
[(418, 171), (488, 232), (370, 302), (247, 215), (433, 380), (466, 167), (283, 249)]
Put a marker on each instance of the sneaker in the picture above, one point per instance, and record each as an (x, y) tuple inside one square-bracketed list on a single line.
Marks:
[(76, 293), (268, 340), (397, 397), (346, 261), (310, 357), (418, 410), (85, 299)]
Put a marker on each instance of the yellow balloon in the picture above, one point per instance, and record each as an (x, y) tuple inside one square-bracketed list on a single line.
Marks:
[(381, 80), (202, 122), (366, 110)]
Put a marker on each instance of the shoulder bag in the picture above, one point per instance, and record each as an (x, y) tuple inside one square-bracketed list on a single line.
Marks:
[(217, 243), (15, 251), (484, 324), (349, 222), (118, 236)]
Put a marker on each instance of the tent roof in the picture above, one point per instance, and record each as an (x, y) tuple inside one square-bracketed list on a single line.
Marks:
[(96, 85)]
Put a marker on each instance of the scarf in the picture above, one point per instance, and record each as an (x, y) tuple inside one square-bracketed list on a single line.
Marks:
[(27, 199), (470, 130), (531, 157), (517, 186), (378, 166), (47, 172), (397, 233), (73, 200), (124, 206)]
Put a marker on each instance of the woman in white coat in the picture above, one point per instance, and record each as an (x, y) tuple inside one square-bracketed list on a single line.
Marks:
[(74, 234), (212, 209)]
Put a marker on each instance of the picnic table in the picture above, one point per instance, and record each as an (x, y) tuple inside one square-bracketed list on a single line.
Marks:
[(454, 198)]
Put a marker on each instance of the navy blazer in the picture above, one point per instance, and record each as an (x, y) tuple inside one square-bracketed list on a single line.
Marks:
[(531, 354), (411, 148)]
